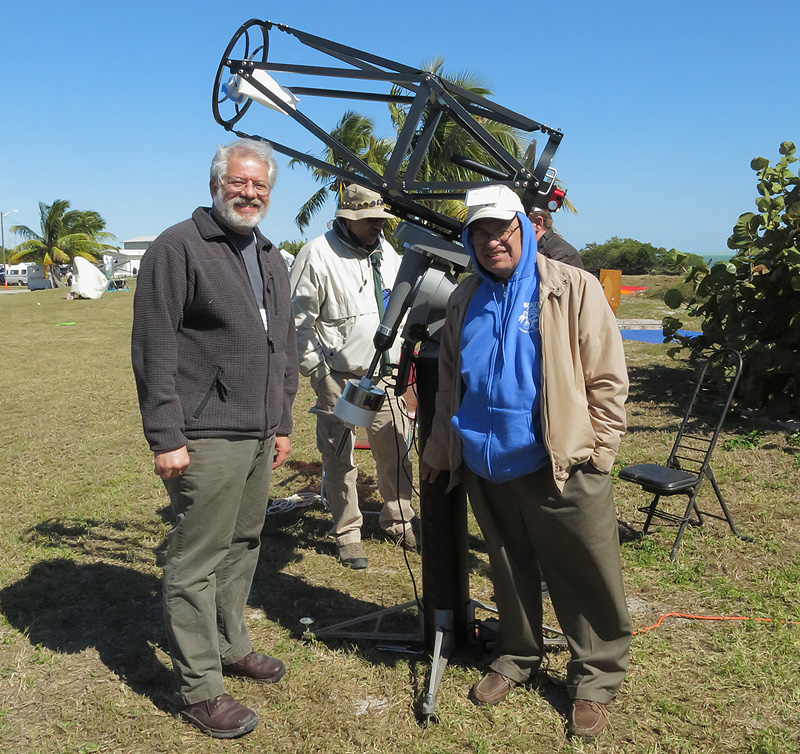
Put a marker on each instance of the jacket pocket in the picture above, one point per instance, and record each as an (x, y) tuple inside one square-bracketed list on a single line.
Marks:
[(276, 396), (217, 386)]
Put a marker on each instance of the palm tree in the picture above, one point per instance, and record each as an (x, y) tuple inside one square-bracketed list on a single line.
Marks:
[(357, 133), (64, 234), (450, 139)]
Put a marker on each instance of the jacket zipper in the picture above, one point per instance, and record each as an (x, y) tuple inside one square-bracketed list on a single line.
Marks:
[(497, 347), (270, 347), (542, 392)]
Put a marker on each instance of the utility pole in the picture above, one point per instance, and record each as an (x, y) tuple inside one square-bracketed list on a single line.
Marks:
[(3, 241)]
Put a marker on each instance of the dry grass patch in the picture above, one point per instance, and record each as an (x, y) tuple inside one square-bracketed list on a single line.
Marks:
[(82, 660)]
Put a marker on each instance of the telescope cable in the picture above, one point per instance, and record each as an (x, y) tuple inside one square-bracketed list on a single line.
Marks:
[(400, 460)]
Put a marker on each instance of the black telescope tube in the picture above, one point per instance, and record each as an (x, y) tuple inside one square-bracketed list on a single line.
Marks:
[(479, 167), (410, 273)]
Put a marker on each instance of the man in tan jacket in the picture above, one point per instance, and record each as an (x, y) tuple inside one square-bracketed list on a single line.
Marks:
[(529, 414), (339, 282)]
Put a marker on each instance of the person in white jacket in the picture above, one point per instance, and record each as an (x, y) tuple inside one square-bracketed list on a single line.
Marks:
[(340, 283)]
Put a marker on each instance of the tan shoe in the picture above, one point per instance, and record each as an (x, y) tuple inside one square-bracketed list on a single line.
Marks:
[(405, 539), (492, 688), (587, 719), (353, 556)]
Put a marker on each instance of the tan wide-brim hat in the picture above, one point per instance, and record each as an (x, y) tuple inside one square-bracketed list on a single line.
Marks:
[(359, 203)]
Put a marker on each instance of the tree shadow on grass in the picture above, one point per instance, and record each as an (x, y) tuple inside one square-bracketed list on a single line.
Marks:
[(669, 387), (286, 598), (69, 607)]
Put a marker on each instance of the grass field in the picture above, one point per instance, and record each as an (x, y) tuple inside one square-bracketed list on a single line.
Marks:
[(82, 661)]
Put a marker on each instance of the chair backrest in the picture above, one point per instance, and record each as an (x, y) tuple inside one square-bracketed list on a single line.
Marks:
[(706, 412)]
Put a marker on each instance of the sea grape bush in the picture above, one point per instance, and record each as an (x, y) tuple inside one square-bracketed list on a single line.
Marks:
[(752, 302)]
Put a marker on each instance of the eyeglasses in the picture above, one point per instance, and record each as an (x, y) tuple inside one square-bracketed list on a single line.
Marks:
[(240, 184), (482, 237)]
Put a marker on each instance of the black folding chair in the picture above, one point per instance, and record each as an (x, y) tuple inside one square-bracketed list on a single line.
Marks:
[(689, 460)]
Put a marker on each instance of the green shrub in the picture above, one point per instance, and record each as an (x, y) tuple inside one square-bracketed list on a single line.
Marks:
[(752, 302), (632, 257)]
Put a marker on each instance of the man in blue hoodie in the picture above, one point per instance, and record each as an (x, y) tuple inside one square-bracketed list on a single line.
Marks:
[(529, 414)]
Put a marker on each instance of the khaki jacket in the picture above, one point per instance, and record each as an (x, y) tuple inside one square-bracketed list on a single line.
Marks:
[(584, 378), (333, 302)]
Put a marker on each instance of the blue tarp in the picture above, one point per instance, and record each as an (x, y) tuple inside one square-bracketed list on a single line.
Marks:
[(651, 336)]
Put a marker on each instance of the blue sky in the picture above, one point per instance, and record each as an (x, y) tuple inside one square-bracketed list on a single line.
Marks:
[(662, 104)]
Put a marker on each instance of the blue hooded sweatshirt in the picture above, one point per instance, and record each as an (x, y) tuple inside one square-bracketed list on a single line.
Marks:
[(501, 367)]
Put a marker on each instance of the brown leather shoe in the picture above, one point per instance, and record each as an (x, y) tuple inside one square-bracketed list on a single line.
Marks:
[(587, 719), (256, 667), (491, 689), (220, 717)]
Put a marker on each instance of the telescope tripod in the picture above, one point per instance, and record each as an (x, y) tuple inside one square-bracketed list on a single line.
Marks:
[(446, 618)]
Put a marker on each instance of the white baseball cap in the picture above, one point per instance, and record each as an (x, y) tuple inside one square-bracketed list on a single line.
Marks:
[(496, 201)]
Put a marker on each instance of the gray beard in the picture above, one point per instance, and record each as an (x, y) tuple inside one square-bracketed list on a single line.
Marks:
[(225, 209)]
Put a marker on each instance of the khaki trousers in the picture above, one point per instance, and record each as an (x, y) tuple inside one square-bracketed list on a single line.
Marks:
[(387, 439), (573, 536), (219, 504)]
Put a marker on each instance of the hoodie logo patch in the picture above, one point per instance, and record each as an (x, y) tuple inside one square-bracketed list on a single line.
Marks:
[(529, 319)]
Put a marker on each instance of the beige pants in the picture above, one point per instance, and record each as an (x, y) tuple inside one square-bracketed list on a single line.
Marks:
[(387, 439)]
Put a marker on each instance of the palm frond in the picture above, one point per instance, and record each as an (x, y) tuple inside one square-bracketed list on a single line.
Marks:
[(57, 255), (33, 247), (566, 204), (311, 207), (88, 257), (25, 232)]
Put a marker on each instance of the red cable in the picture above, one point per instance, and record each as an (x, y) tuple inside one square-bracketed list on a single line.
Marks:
[(715, 617)]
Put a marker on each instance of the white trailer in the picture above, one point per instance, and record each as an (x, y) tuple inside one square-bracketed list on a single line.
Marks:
[(17, 274)]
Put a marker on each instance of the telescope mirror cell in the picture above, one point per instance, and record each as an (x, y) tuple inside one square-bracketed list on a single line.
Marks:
[(359, 403)]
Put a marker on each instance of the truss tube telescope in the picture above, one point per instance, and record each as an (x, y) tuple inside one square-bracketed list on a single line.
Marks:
[(244, 75)]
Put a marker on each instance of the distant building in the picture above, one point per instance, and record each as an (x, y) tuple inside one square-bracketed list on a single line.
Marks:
[(125, 262)]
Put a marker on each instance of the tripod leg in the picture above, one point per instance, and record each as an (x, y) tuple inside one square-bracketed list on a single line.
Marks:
[(442, 647)]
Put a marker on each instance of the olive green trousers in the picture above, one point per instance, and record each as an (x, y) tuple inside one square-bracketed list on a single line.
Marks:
[(219, 505)]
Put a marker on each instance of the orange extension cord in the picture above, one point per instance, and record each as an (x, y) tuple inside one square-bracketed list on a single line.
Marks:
[(714, 617)]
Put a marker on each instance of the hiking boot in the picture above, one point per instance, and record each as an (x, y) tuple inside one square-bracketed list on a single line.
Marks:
[(256, 667), (220, 717), (586, 719), (492, 688), (353, 555), (404, 539)]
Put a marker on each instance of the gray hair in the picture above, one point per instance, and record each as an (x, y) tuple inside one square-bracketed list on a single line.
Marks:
[(547, 218), (260, 150)]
